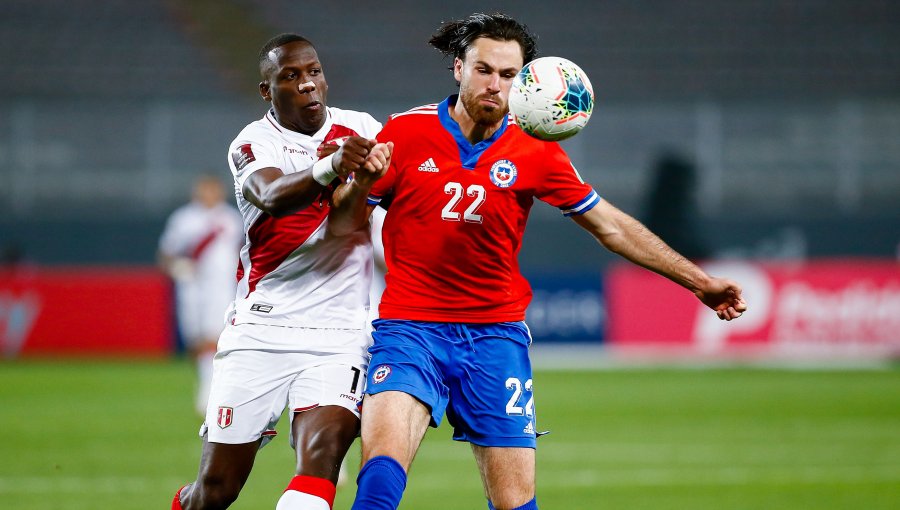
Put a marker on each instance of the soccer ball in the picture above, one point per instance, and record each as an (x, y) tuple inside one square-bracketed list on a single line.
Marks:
[(551, 99)]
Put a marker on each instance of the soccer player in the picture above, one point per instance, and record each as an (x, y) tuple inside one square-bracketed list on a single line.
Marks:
[(451, 337), (198, 249), (297, 331)]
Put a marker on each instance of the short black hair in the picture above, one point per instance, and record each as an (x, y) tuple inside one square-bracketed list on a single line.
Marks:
[(265, 63), (453, 38)]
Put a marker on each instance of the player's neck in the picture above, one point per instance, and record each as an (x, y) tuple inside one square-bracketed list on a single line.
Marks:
[(473, 131)]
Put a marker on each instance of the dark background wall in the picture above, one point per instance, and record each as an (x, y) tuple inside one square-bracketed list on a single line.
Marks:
[(788, 112)]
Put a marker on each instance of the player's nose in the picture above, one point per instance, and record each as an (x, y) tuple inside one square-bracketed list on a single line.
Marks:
[(305, 88), (494, 84)]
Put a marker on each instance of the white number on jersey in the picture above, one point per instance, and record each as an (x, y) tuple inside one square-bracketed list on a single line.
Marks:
[(512, 407), (455, 190)]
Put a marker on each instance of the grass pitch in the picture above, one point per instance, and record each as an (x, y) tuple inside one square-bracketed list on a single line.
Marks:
[(101, 434)]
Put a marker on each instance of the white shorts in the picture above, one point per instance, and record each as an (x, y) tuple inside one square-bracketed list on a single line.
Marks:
[(250, 388), (200, 310)]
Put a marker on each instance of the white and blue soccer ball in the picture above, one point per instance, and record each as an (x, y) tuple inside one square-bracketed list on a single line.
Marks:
[(551, 99)]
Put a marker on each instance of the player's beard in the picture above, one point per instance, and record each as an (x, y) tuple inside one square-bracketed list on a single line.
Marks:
[(482, 115)]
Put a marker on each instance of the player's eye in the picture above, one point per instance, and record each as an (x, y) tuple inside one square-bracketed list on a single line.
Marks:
[(290, 76), (315, 71)]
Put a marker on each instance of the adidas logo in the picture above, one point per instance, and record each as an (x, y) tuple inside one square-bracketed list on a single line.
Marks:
[(428, 166), (529, 429)]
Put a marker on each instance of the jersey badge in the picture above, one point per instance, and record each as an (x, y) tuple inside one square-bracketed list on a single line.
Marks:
[(226, 415), (504, 173), (259, 307), (381, 374), (242, 156), (429, 166)]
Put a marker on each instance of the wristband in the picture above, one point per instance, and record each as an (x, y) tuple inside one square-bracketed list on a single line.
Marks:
[(322, 171)]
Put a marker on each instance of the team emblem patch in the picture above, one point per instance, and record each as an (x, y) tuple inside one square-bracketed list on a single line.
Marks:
[(242, 156), (504, 173), (226, 415), (381, 374)]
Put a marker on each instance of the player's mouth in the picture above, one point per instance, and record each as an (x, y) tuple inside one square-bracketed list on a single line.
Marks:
[(488, 102), (314, 106)]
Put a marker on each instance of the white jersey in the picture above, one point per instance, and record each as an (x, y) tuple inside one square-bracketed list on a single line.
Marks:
[(203, 242), (292, 271)]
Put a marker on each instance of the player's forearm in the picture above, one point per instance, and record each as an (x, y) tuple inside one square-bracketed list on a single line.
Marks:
[(622, 234), (349, 211), (280, 195), (642, 247)]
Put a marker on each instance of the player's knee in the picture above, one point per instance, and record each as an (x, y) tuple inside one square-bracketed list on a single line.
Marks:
[(513, 494), (213, 493)]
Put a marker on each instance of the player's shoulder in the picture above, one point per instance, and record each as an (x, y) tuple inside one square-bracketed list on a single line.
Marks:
[(185, 212), (354, 119), (414, 121), (417, 113), (259, 130), (519, 138)]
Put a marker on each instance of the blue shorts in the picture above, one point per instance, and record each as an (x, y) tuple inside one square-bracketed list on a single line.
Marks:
[(480, 374)]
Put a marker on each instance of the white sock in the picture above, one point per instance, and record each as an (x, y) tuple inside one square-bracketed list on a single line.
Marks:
[(293, 500)]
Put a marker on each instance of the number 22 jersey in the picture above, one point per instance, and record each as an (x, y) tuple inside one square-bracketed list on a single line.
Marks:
[(454, 226)]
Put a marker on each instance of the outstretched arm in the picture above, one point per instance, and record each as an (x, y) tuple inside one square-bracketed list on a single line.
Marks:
[(349, 210), (280, 194), (625, 236)]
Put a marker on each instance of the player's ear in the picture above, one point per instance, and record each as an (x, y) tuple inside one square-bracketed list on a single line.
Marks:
[(265, 90), (457, 68)]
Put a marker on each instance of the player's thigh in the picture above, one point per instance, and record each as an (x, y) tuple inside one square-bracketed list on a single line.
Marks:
[(492, 392), (507, 474), (393, 424), (329, 380), (406, 358), (248, 394), (324, 402)]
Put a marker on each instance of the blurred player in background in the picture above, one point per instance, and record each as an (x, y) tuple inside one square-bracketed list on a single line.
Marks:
[(451, 336), (298, 330), (198, 249)]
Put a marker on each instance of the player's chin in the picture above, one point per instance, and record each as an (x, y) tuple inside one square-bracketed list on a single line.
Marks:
[(313, 115), (488, 116)]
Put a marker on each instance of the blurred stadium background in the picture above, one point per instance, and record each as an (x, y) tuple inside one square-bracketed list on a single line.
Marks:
[(760, 137)]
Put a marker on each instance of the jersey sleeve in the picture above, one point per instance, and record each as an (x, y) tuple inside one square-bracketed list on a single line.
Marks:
[(562, 186), (371, 127), (171, 242), (384, 187), (246, 156)]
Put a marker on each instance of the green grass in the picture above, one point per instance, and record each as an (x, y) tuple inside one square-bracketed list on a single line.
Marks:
[(88, 435)]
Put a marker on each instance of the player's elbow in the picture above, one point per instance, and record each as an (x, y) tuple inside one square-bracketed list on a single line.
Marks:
[(275, 210), (613, 241)]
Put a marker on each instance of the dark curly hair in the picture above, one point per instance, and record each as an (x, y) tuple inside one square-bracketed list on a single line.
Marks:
[(453, 38)]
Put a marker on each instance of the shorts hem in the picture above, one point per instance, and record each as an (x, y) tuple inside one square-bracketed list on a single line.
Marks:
[(500, 442), (410, 390)]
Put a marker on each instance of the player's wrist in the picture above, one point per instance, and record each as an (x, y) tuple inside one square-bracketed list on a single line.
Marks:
[(323, 170)]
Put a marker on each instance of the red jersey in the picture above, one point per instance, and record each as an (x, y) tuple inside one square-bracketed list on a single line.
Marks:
[(454, 226)]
